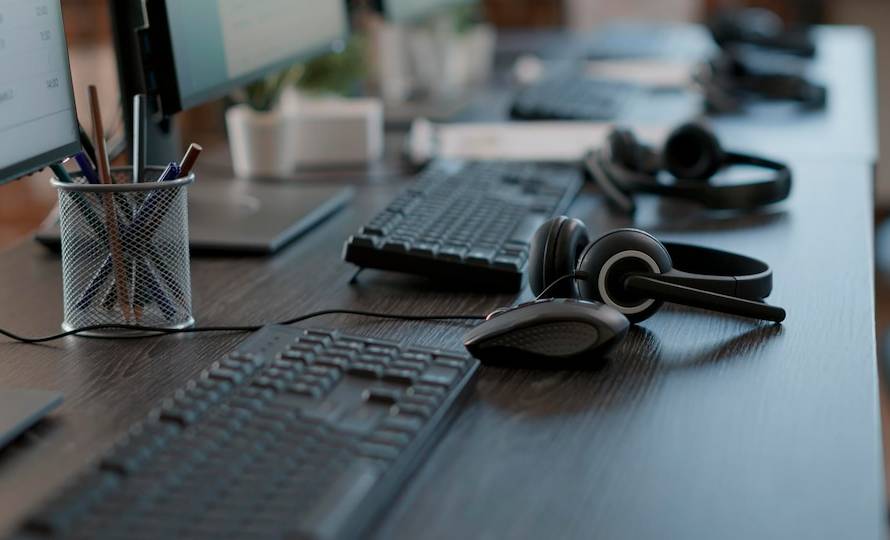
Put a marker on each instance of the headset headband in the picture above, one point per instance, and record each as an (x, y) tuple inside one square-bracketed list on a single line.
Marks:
[(718, 271), (717, 197)]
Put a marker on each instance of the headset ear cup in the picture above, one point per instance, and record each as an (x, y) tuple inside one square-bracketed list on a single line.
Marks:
[(608, 260), (626, 151), (692, 152), (623, 148), (553, 254), (537, 249)]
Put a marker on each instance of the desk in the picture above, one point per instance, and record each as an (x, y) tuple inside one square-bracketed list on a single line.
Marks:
[(845, 63), (700, 426)]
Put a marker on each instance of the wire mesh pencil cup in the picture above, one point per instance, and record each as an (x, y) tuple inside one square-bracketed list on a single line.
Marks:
[(125, 252)]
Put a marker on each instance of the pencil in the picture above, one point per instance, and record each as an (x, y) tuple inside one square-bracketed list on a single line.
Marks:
[(117, 257)]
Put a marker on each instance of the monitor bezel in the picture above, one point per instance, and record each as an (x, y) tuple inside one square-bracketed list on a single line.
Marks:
[(160, 64), (35, 163)]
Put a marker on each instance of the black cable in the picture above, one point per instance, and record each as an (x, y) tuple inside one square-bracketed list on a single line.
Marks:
[(158, 332), (573, 275)]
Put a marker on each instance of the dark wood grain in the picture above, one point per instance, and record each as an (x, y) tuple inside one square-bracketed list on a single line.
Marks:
[(699, 426)]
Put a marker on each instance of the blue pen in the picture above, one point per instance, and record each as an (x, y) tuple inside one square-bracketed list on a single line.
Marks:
[(140, 222), (86, 168)]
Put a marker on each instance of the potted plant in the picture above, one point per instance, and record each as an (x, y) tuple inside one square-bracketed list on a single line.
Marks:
[(261, 138), (332, 126)]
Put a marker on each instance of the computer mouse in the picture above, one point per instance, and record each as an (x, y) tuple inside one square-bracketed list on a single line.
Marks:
[(552, 333)]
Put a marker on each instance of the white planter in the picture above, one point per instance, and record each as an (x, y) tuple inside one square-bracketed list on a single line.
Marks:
[(334, 130), (261, 143), (430, 60)]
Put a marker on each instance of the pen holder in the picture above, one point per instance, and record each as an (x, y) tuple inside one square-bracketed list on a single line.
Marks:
[(125, 252)]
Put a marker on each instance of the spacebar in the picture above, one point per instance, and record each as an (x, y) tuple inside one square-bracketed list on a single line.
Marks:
[(526, 229), (328, 516)]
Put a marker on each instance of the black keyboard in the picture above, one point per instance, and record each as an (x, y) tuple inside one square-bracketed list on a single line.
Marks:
[(297, 434), (466, 222), (572, 98)]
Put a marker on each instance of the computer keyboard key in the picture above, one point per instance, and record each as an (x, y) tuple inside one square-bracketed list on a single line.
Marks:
[(402, 423), (304, 389), (480, 256), (453, 252), (508, 263), (425, 249), (363, 240), (386, 396), (428, 389), (338, 362), (440, 375), (396, 439), (401, 376), (414, 409), (396, 246), (227, 375), (367, 371)]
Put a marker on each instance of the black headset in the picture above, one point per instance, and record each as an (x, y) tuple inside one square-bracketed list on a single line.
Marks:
[(692, 155), (729, 83), (633, 272), (761, 28)]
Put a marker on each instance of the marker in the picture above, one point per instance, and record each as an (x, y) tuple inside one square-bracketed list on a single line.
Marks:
[(189, 160)]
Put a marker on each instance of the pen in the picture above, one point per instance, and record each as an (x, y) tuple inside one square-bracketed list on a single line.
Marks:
[(61, 173), (82, 205), (87, 144), (117, 258), (86, 168), (140, 128)]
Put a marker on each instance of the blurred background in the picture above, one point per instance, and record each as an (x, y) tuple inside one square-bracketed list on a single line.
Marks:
[(23, 205)]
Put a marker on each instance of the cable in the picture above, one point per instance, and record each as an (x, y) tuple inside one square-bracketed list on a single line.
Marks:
[(158, 332), (574, 275)]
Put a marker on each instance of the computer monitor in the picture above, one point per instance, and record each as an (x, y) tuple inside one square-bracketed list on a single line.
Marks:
[(204, 49), (410, 10), (184, 53), (38, 121)]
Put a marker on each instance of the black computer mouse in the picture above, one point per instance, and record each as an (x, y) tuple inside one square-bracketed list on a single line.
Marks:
[(552, 333)]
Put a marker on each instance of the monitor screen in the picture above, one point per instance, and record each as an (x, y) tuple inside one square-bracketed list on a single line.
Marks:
[(38, 121), (219, 45), (406, 10)]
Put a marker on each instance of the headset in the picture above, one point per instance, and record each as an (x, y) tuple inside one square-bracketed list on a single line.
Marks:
[(630, 270), (729, 83), (762, 28), (692, 155)]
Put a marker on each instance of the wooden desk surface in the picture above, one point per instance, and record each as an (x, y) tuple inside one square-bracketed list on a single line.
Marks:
[(701, 426)]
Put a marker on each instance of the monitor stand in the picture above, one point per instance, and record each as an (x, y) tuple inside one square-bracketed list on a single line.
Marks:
[(247, 217)]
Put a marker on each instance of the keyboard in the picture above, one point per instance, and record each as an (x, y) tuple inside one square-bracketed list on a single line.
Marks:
[(469, 223), (297, 434), (572, 98)]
